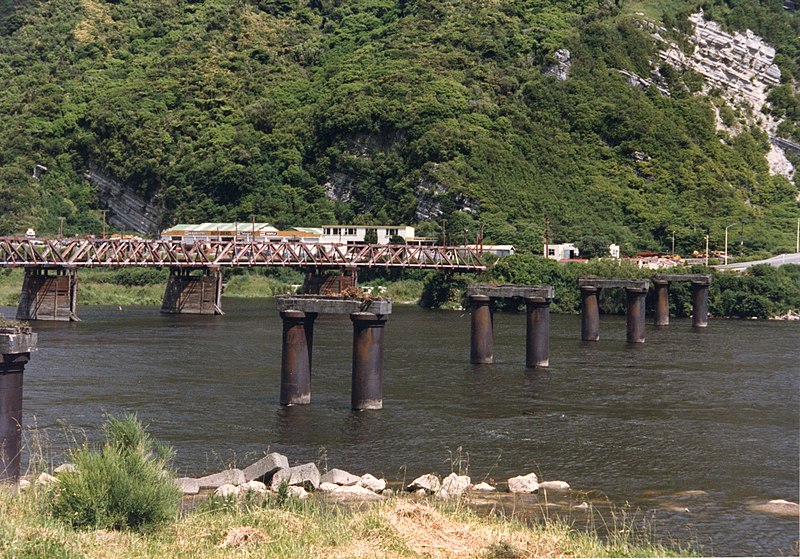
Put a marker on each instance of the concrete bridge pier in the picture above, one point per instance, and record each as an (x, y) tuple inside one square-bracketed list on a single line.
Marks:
[(298, 330), (16, 344), (635, 314), (700, 304), (661, 302), (193, 294), (367, 385), (47, 296), (537, 335), (590, 314), (481, 330)]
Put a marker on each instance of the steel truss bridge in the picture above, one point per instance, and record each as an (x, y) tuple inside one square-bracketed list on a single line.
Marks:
[(119, 253)]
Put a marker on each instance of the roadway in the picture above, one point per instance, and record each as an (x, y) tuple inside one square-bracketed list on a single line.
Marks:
[(779, 260)]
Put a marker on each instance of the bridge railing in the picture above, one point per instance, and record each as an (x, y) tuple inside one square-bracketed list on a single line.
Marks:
[(118, 253)]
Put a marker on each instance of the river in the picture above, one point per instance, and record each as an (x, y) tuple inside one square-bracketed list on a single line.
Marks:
[(713, 412)]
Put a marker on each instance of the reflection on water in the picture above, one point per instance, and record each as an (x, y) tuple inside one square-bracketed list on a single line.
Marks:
[(710, 411)]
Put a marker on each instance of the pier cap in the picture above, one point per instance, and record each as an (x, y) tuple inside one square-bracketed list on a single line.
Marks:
[(510, 291), (16, 338), (333, 305)]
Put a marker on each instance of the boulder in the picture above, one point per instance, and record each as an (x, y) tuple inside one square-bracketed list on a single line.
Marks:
[(453, 485), (233, 477), (23, 484), (46, 479), (780, 507), (554, 485), (327, 487), (372, 483), (306, 475), (524, 484), (339, 477), (264, 468), (483, 486), (355, 492), (226, 490), (254, 486), (188, 485), (429, 482), (298, 492), (65, 468)]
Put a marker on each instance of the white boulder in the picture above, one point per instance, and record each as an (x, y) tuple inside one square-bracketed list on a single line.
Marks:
[(524, 484)]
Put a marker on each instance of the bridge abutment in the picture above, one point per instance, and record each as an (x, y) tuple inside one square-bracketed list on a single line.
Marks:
[(48, 294), (193, 294), (16, 344)]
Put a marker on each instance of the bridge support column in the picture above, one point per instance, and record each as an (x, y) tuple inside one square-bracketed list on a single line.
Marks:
[(48, 297), (537, 338), (188, 294), (298, 331), (635, 314), (367, 386), (590, 314), (662, 302), (481, 342), (16, 345), (700, 305)]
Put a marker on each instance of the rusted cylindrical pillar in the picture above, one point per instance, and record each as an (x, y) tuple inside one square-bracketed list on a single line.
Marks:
[(661, 302), (16, 344), (295, 360), (590, 314), (537, 339), (481, 343), (700, 305), (635, 314), (367, 387)]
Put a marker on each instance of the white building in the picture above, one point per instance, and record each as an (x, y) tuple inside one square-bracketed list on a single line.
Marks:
[(499, 250), (564, 251), (355, 234)]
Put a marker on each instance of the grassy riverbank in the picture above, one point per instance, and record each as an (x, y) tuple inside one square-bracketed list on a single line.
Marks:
[(398, 527)]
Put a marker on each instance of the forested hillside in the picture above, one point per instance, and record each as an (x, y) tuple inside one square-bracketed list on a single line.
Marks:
[(303, 112)]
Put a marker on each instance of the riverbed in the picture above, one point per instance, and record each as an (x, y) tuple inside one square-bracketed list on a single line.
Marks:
[(692, 428)]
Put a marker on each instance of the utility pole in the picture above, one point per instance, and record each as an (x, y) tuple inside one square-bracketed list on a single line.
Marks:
[(60, 227), (253, 233), (726, 242), (673, 243), (797, 245), (706, 250), (104, 212), (546, 236), (444, 233)]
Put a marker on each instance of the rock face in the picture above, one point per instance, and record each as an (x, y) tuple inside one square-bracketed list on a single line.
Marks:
[(264, 468), (741, 64), (559, 69), (524, 484), (453, 486), (429, 483)]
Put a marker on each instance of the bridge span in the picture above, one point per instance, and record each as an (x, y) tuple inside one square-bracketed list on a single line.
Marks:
[(50, 288)]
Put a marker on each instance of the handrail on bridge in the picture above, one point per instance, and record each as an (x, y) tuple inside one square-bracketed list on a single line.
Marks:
[(118, 253)]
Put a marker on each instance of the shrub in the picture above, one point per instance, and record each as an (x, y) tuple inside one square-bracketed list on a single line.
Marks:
[(122, 485)]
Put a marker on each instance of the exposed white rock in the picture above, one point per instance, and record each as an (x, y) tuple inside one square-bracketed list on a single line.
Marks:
[(23, 484), (372, 483), (483, 486), (780, 507), (65, 468), (524, 484), (339, 477), (429, 482), (188, 485), (297, 492), (306, 475), (355, 492), (327, 487), (226, 490), (453, 485), (554, 485), (254, 486), (265, 467), (232, 476), (46, 479)]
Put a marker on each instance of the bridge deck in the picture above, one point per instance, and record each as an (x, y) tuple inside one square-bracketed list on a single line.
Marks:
[(117, 253)]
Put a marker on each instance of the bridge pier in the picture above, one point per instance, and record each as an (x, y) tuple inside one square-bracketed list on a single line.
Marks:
[(325, 282), (369, 319), (635, 314), (16, 344), (188, 294), (537, 333), (48, 297), (481, 330), (699, 304), (298, 332), (590, 314), (661, 302), (367, 385)]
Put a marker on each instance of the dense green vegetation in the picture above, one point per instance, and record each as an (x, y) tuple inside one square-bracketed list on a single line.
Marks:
[(221, 110)]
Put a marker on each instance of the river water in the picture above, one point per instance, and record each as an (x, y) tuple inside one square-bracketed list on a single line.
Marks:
[(691, 428)]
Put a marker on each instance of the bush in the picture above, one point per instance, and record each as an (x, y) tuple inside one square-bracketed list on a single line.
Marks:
[(123, 485)]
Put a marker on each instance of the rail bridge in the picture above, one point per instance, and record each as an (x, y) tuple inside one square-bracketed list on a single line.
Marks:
[(49, 291)]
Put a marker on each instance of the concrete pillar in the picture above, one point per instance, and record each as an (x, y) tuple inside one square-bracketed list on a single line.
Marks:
[(635, 314), (481, 342), (590, 314), (700, 305), (48, 297), (661, 302), (367, 386), (295, 360), (537, 338), (16, 344)]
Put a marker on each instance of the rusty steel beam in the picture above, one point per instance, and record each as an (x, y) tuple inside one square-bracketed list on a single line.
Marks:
[(117, 253)]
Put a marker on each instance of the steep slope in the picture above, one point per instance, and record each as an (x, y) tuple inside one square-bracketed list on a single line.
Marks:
[(304, 112)]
